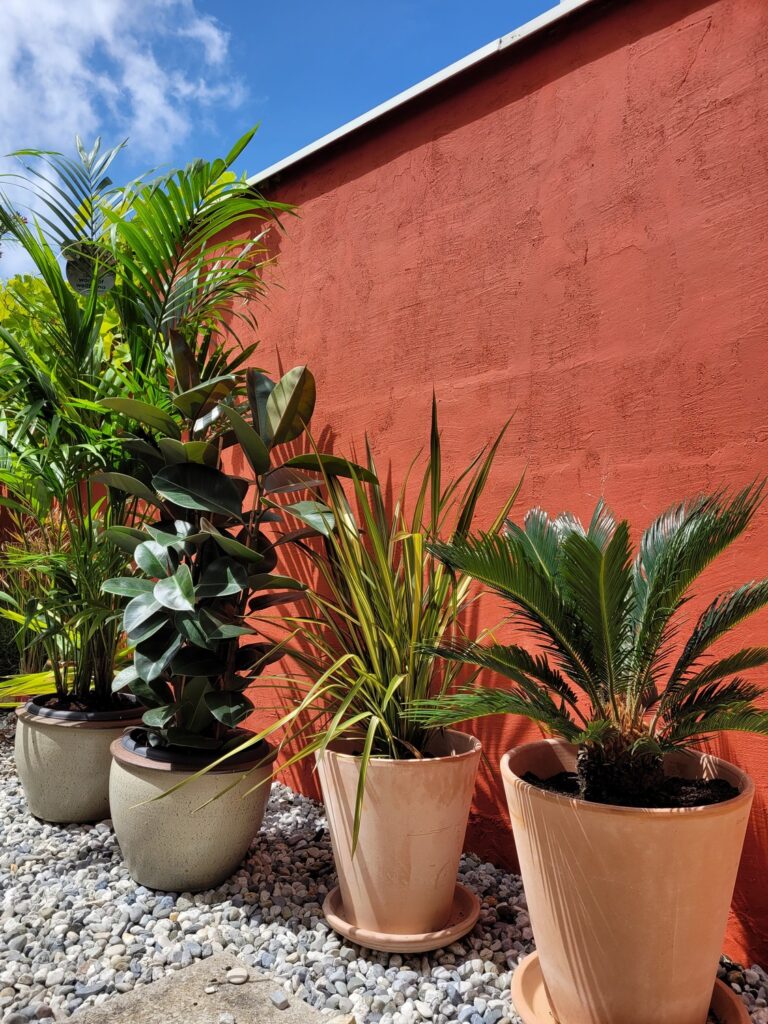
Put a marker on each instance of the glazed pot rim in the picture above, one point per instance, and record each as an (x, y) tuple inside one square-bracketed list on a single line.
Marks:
[(744, 796), (35, 710), (392, 763), (132, 758)]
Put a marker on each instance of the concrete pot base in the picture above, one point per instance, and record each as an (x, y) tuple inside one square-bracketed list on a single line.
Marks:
[(463, 917), (529, 996)]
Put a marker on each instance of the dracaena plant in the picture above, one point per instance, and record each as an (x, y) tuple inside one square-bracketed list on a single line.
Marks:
[(378, 597), (205, 565), (608, 670)]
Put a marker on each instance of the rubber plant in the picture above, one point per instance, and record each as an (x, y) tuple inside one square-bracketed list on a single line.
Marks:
[(603, 672), (206, 564)]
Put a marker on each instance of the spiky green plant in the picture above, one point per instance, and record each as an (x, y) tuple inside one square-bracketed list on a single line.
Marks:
[(379, 596), (606, 670)]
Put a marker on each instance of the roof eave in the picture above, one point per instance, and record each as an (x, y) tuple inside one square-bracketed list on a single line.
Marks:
[(514, 38)]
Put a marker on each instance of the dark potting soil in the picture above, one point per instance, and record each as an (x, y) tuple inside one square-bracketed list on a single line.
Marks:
[(677, 792)]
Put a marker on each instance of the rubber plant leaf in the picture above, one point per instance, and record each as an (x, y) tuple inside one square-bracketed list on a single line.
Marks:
[(177, 592), (191, 485), (255, 450), (331, 465), (290, 406), (228, 708)]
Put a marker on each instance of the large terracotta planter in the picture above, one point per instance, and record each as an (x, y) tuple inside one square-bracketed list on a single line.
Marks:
[(176, 844), (628, 906), (63, 759), (402, 879)]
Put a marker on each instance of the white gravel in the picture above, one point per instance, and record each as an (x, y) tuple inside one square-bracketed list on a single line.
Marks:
[(75, 928)]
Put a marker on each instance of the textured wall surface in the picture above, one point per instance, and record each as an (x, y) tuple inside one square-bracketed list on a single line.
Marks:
[(576, 235)]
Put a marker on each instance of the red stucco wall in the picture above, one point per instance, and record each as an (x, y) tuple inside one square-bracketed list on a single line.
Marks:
[(578, 234)]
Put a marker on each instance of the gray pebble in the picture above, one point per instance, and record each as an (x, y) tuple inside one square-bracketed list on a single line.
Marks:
[(279, 1000)]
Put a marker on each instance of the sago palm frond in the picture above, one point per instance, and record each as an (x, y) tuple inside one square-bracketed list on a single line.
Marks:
[(604, 623)]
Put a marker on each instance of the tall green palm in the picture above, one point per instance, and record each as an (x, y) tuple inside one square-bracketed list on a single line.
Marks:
[(155, 277), (605, 626)]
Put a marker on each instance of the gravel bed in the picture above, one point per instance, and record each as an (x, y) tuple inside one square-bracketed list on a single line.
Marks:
[(74, 927)]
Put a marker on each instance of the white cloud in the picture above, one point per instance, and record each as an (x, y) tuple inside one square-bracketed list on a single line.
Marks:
[(117, 67), (142, 69)]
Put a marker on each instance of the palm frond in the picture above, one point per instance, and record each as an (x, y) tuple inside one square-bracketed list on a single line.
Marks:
[(479, 702), (722, 615), (504, 565), (674, 552)]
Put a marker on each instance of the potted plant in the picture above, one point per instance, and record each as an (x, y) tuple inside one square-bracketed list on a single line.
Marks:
[(397, 794), (147, 266), (205, 566), (628, 839)]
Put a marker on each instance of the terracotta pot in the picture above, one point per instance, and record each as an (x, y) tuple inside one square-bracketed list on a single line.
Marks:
[(63, 759), (402, 878), (628, 906), (175, 844)]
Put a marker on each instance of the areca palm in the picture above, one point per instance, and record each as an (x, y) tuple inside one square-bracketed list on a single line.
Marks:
[(156, 274), (604, 672)]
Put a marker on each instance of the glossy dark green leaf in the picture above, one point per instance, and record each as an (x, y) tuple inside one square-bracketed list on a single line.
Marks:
[(191, 485), (124, 679), (221, 629), (153, 694), (125, 537), (127, 586), (221, 578), (145, 451), (204, 452), (331, 465), (188, 625), (184, 362), (255, 450), (314, 514), (201, 399), (193, 740), (285, 480), (148, 628), (194, 710), (156, 419), (176, 592), (290, 406), (153, 656), (167, 540), (231, 546), (155, 559), (157, 718), (137, 611), (228, 708), (129, 485), (192, 661), (259, 387), (172, 450)]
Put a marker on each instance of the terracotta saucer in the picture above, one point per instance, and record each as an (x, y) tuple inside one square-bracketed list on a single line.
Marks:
[(530, 998), (465, 912)]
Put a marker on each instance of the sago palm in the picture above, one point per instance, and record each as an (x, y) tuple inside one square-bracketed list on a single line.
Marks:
[(607, 669)]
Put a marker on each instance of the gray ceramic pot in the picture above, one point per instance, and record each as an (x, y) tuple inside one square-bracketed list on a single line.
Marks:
[(183, 842)]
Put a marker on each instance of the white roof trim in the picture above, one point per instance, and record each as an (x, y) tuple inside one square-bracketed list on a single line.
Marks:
[(563, 9)]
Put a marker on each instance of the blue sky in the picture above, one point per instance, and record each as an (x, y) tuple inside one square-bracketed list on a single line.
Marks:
[(185, 78), (327, 63)]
